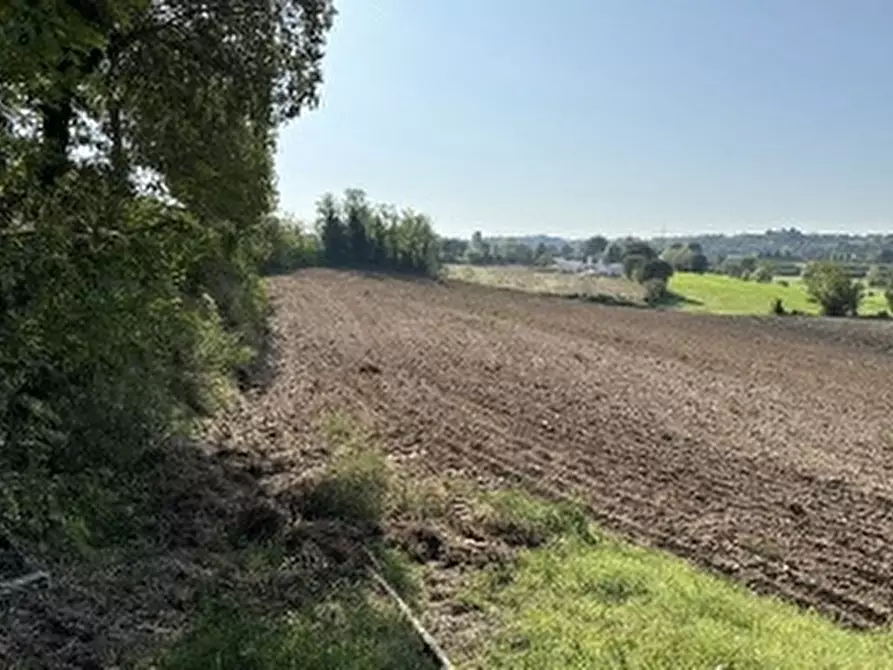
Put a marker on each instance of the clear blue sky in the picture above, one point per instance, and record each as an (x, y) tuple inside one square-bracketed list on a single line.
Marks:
[(577, 117)]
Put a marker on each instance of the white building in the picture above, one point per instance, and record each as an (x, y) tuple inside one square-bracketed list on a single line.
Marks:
[(589, 267)]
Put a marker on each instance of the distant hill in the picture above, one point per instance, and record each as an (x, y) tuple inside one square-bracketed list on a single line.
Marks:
[(532, 241), (790, 244)]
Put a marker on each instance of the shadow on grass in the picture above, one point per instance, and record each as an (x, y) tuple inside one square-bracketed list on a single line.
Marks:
[(189, 553), (672, 299)]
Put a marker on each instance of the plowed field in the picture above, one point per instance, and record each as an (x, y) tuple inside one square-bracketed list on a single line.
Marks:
[(761, 449)]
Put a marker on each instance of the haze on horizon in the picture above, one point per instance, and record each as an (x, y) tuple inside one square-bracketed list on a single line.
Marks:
[(613, 117)]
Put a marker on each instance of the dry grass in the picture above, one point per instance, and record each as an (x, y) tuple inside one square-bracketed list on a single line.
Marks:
[(549, 282)]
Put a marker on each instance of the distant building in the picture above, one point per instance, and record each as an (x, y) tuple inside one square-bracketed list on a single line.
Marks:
[(599, 267)]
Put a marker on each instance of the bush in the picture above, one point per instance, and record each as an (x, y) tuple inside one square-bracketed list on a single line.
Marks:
[(655, 291), (107, 347), (286, 247), (831, 287), (889, 296), (777, 308), (655, 269), (762, 274), (632, 266)]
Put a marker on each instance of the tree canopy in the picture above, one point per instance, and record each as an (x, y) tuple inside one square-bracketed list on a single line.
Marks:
[(136, 179), (829, 285)]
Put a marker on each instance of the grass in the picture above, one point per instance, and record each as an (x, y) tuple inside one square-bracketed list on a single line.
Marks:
[(600, 289), (350, 632), (571, 596), (588, 601), (341, 620), (707, 293), (718, 294)]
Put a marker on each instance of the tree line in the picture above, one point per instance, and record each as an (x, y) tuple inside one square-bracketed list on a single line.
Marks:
[(137, 144), (352, 232)]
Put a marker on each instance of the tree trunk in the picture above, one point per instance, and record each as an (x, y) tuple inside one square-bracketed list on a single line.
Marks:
[(56, 126)]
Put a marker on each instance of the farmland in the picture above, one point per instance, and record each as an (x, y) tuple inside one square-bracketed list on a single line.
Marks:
[(718, 294), (700, 293), (758, 448)]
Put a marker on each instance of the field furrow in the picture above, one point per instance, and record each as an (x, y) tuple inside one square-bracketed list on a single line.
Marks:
[(762, 449)]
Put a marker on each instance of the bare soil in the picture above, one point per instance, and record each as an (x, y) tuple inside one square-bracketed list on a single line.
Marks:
[(759, 448)]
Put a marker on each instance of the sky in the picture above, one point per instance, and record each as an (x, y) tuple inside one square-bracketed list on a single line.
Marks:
[(612, 117)]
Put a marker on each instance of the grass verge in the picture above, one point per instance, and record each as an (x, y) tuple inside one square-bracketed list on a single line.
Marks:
[(587, 600), (542, 586), (349, 630)]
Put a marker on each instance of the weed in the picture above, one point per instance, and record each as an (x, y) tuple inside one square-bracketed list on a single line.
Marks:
[(346, 632), (523, 520), (354, 488)]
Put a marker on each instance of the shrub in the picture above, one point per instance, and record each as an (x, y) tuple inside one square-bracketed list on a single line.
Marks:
[(777, 308), (762, 274), (878, 276), (889, 296), (354, 489), (106, 348), (632, 265), (831, 287), (655, 291), (655, 269)]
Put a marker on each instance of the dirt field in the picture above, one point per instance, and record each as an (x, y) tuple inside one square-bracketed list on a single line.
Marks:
[(762, 449)]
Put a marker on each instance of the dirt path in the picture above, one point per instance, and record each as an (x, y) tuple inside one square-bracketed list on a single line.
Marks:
[(761, 449)]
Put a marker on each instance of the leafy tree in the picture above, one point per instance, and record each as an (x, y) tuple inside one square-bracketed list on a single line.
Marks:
[(479, 252), (452, 250), (632, 266), (829, 285), (287, 246), (332, 232), (614, 253), (594, 246), (655, 291), (654, 268), (633, 247), (686, 258), (137, 141), (763, 273), (884, 256), (748, 265), (879, 276), (543, 256)]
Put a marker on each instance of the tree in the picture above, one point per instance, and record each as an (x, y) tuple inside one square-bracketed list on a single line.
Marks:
[(884, 256), (655, 291), (614, 253), (633, 247), (357, 214), (137, 144), (763, 273), (731, 267), (828, 284), (543, 256), (594, 246), (479, 252), (332, 231), (632, 266), (655, 268), (879, 276)]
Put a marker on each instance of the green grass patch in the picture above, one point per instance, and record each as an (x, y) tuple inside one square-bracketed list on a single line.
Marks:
[(360, 632), (590, 601), (719, 294)]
